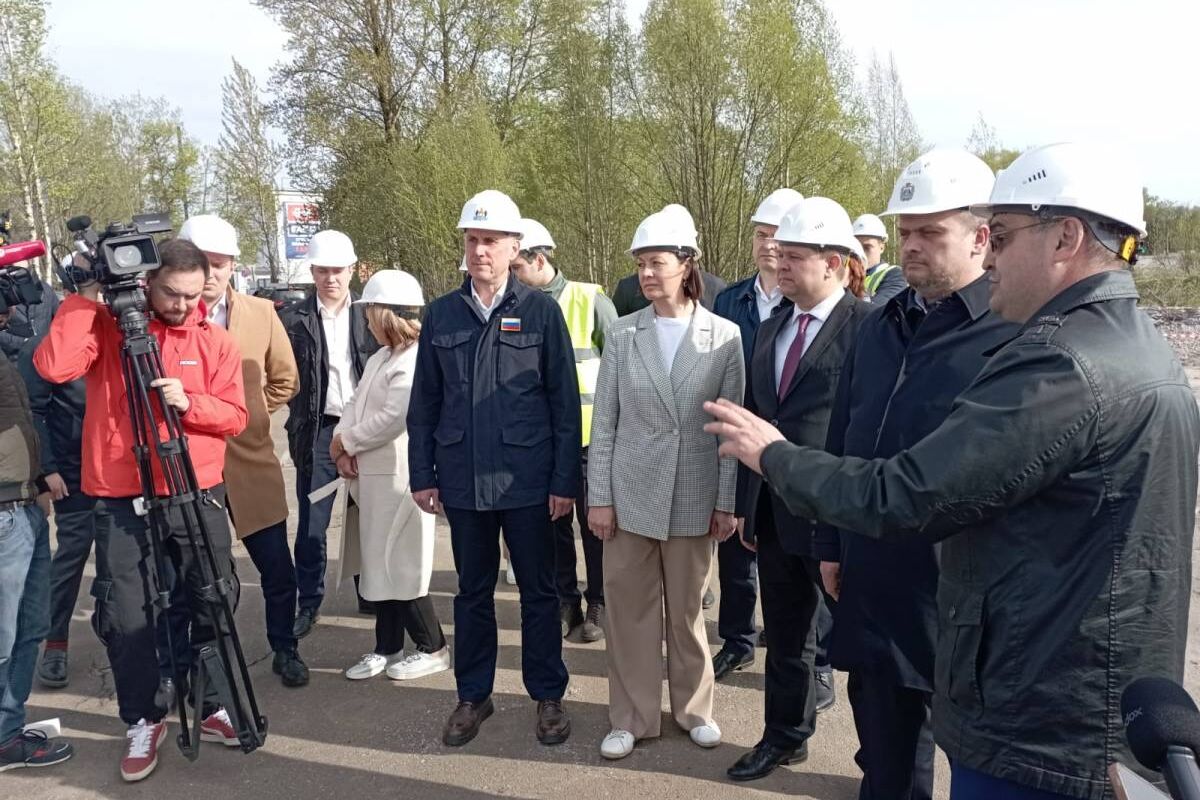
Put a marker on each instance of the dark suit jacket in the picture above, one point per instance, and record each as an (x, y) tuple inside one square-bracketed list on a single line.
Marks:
[(628, 296), (803, 413)]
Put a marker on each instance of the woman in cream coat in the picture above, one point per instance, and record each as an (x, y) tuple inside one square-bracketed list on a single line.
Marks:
[(387, 539), (658, 491)]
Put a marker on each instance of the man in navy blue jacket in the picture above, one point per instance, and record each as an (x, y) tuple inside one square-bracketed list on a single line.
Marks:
[(908, 364), (494, 429), (748, 303)]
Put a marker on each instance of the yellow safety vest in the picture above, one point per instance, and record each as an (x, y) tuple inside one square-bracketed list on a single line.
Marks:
[(578, 304), (873, 280)]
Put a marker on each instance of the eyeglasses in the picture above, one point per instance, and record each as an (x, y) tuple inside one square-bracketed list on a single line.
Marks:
[(1000, 240)]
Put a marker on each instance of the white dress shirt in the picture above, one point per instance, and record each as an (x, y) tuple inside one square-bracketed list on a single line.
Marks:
[(787, 334), (670, 332), (485, 311), (336, 324), (766, 302), (219, 313)]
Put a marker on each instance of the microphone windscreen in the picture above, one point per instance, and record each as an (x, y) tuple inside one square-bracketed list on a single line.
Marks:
[(1158, 713)]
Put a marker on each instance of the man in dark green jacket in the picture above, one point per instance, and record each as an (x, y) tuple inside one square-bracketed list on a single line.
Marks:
[(1062, 486)]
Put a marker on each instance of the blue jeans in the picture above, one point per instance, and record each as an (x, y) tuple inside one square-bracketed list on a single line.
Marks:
[(968, 783), (24, 608), (314, 519)]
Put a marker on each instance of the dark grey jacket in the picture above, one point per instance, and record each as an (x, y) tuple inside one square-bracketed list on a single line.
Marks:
[(1063, 484)]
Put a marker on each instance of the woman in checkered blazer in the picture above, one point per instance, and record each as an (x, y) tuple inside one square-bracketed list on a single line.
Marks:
[(658, 492)]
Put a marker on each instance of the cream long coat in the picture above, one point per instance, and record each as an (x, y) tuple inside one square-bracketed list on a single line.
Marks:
[(387, 539), (253, 477)]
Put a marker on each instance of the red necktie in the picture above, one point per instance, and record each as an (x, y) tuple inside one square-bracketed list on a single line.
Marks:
[(792, 361)]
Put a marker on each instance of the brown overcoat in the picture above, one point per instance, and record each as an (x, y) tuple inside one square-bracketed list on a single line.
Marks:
[(253, 476)]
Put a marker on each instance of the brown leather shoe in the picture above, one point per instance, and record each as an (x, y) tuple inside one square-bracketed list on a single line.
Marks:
[(465, 721), (553, 724)]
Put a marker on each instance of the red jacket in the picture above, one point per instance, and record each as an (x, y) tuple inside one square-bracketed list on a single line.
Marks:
[(84, 341)]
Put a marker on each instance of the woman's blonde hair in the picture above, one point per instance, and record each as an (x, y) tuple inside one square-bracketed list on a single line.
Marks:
[(398, 331)]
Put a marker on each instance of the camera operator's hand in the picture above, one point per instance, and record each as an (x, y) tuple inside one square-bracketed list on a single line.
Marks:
[(58, 487), (172, 389)]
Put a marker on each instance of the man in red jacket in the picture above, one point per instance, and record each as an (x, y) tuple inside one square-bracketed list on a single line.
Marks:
[(203, 383)]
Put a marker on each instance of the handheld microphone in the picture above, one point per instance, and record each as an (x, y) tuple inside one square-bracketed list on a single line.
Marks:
[(21, 251), (1162, 725)]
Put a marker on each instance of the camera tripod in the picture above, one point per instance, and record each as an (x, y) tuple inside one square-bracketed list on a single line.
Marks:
[(221, 663)]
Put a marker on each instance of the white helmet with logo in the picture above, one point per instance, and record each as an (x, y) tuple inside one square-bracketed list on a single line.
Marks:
[(211, 234), (943, 179), (771, 210), (330, 248), (392, 287), (870, 225), (818, 222), (1071, 175), (534, 234), (491, 210), (670, 229)]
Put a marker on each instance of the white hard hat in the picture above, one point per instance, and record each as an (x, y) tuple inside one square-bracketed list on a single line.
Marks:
[(392, 287), (669, 229), (1071, 175), (211, 234), (941, 180), (491, 210), (817, 222), (534, 234), (857, 249), (771, 210), (331, 249), (870, 225)]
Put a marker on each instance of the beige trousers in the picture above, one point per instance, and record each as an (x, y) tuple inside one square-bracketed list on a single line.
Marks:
[(644, 577)]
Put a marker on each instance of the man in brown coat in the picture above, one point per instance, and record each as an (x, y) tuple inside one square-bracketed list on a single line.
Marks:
[(253, 476)]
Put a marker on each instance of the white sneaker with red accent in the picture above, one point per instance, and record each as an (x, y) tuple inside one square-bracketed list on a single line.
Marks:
[(141, 749), (217, 727)]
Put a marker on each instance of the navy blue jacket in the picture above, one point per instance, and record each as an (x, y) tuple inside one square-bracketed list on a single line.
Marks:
[(897, 386), (739, 305), (494, 418), (57, 410)]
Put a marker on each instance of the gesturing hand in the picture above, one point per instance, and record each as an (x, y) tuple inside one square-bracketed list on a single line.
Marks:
[(743, 435)]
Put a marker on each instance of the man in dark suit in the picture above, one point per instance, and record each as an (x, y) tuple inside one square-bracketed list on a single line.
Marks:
[(791, 381)]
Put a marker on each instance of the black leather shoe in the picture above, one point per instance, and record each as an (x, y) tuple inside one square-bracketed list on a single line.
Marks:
[(553, 723), (305, 619), (763, 759), (826, 694), (52, 670), (709, 599), (290, 669), (726, 662), (571, 617), (593, 631), (464, 722)]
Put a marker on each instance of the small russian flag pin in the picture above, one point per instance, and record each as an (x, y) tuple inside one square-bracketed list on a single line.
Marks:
[(510, 324)]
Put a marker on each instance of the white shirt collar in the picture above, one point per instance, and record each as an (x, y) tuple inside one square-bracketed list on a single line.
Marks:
[(488, 309), (823, 309), (762, 295), (219, 312), (328, 313)]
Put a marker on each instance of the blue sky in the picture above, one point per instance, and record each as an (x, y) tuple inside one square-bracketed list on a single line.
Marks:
[(1038, 70)]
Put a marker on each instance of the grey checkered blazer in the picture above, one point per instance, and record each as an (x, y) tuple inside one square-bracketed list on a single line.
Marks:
[(649, 456)]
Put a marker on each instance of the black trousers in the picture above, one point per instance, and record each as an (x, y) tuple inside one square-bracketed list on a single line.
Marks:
[(74, 535), (393, 618), (738, 577), (792, 602), (566, 574), (125, 611), (895, 750)]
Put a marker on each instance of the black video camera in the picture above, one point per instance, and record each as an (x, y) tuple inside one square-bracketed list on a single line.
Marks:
[(117, 255)]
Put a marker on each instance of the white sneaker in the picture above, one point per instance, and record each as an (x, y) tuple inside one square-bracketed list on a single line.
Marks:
[(617, 744), (706, 735), (418, 665), (370, 665), (510, 577)]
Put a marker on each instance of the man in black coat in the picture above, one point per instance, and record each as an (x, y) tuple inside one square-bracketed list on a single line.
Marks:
[(330, 340), (791, 380), (28, 322)]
